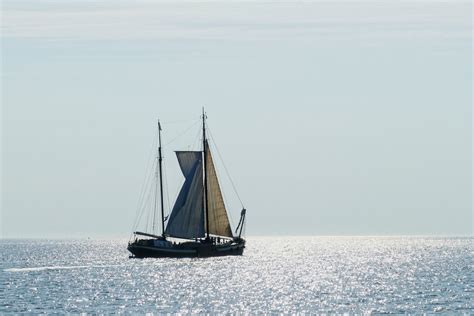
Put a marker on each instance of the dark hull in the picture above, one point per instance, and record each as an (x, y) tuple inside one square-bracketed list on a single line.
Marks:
[(189, 250)]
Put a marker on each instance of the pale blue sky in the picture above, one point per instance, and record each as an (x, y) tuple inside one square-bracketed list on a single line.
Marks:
[(334, 117)]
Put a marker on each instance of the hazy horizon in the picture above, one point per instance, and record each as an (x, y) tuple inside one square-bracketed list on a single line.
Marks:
[(334, 118), (126, 238)]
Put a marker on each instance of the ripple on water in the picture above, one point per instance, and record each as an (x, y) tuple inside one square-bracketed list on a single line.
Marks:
[(282, 275)]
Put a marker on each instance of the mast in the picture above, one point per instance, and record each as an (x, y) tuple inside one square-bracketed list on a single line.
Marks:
[(206, 204), (156, 185), (160, 160)]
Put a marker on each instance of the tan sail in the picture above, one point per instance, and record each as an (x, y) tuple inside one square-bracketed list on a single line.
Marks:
[(218, 220)]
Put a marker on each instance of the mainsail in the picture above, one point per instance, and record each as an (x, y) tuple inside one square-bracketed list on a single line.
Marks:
[(218, 220), (187, 217)]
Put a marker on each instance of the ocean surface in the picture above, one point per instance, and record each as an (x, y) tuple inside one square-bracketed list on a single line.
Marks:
[(366, 275)]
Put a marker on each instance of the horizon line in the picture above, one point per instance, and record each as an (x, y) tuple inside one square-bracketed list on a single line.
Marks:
[(249, 236)]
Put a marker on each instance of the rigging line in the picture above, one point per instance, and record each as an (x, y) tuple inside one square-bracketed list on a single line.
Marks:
[(142, 211), (139, 219), (147, 206), (147, 221), (196, 141), (166, 187), (142, 191), (225, 168), (145, 180), (155, 204), (146, 188), (145, 199), (148, 173), (187, 130), (178, 121)]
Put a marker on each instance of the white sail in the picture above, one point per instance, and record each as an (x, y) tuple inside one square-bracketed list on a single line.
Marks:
[(187, 217), (218, 220)]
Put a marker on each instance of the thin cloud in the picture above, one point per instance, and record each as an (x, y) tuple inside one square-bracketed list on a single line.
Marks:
[(237, 20)]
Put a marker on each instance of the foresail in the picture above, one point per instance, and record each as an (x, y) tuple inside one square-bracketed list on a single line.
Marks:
[(187, 217), (218, 220)]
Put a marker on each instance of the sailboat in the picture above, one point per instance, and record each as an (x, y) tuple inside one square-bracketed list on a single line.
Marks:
[(198, 225)]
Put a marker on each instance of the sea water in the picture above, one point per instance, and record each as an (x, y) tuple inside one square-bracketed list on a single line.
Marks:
[(365, 275)]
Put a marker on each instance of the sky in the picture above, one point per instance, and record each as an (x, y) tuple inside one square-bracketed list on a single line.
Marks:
[(341, 117)]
